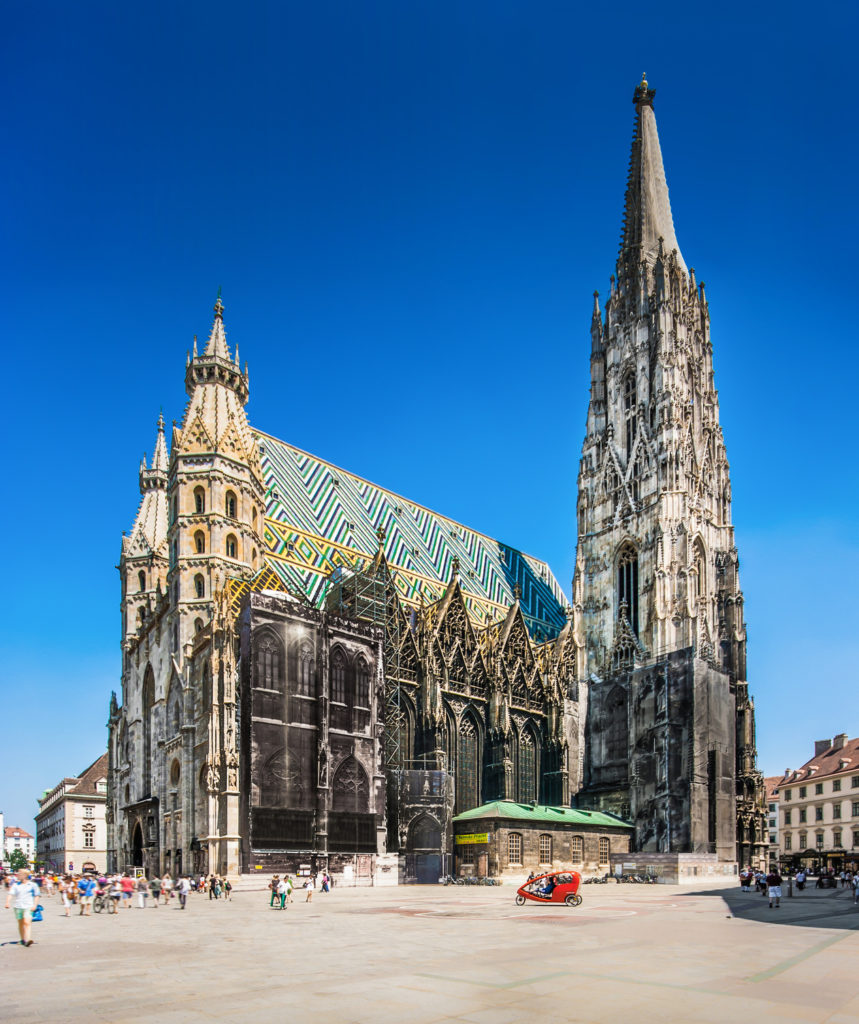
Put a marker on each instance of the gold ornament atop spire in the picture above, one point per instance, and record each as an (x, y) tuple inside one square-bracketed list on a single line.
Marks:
[(643, 80)]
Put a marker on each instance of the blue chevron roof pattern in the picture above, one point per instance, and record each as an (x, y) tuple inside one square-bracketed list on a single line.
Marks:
[(319, 517)]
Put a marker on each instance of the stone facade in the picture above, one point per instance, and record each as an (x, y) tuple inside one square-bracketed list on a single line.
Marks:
[(658, 606), (313, 779)]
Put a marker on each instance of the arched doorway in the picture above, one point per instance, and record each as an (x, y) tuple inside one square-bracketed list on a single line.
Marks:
[(425, 847), (137, 846)]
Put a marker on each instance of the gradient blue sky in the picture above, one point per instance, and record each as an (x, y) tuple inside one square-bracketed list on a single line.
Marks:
[(408, 206)]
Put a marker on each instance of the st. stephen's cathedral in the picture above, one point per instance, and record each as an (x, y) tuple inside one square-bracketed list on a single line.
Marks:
[(317, 671)]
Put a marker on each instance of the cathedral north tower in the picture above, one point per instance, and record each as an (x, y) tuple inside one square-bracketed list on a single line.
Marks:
[(670, 726)]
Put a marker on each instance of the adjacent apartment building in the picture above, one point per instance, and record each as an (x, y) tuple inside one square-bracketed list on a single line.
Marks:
[(70, 826), (771, 785), (818, 808), (15, 838)]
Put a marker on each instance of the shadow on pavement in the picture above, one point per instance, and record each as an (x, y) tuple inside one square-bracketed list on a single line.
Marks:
[(826, 908)]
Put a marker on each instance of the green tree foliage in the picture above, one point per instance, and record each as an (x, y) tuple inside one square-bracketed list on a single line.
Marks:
[(18, 859)]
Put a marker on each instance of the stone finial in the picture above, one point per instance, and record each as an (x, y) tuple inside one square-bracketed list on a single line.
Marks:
[(380, 536), (219, 306)]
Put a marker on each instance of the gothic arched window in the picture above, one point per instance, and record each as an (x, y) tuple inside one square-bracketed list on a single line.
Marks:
[(467, 766), (338, 677), (627, 585), (199, 586), (351, 789), (630, 406), (200, 542), (232, 546), (305, 671), (577, 848), (230, 505), (362, 684), (700, 559), (269, 662), (199, 500), (141, 580), (527, 767)]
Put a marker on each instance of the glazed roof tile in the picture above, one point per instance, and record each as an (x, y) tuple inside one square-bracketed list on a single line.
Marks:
[(320, 518)]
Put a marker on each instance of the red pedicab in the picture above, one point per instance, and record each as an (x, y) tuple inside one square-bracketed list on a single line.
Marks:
[(554, 887)]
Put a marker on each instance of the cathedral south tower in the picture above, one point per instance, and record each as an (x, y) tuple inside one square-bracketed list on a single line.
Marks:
[(669, 726)]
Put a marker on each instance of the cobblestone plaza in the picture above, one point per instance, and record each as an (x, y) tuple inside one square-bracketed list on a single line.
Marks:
[(418, 955)]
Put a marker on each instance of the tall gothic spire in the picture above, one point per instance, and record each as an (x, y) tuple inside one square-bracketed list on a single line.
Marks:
[(160, 459), (217, 343), (647, 211), (150, 525)]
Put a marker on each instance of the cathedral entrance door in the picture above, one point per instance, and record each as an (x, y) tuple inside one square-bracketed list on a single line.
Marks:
[(428, 868), (137, 846)]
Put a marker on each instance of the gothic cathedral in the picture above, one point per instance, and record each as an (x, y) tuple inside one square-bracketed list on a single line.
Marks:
[(670, 740), (316, 669)]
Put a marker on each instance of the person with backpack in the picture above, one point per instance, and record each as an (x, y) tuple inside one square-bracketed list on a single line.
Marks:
[(155, 890)]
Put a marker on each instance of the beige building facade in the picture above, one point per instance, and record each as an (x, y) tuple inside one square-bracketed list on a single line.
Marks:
[(71, 834), (818, 808)]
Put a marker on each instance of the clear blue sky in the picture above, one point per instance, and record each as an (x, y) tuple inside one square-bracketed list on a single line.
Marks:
[(408, 206)]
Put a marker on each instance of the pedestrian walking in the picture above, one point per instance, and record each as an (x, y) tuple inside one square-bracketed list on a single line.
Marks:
[(142, 892), (773, 881), (800, 879), (309, 886), (86, 894), (127, 883), (282, 893), (184, 889), (166, 887), (855, 888), (273, 886), (228, 890), (155, 890), (64, 889), (23, 895)]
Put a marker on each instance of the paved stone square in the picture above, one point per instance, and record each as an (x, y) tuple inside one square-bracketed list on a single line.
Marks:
[(415, 955)]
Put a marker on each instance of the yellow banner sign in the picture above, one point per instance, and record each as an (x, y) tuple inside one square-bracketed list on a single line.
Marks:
[(474, 837)]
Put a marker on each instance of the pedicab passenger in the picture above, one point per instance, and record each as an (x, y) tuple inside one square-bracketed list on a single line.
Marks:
[(548, 888)]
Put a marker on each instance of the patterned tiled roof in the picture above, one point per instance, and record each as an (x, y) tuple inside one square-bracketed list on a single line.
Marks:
[(320, 518)]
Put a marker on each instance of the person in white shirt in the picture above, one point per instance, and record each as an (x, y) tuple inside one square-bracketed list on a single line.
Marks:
[(23, 895), (184, 888), (309, 885)]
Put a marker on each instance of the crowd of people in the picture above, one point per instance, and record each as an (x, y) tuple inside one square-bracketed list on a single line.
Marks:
[(770, 884), (90, 891), (281, 888)]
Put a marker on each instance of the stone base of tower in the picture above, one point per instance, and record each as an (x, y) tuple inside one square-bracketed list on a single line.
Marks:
[(677, 868), (661, 753)]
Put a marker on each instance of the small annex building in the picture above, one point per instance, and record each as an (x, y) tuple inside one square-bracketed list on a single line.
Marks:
[(506, 838)]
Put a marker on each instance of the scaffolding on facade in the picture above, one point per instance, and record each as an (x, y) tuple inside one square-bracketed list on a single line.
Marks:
[(369, 594)]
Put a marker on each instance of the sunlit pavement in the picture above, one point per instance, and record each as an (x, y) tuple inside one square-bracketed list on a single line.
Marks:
[(414, 955)]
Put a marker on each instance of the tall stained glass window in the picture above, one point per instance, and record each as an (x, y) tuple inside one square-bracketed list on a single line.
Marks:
[(467, 767), (527, 768)]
